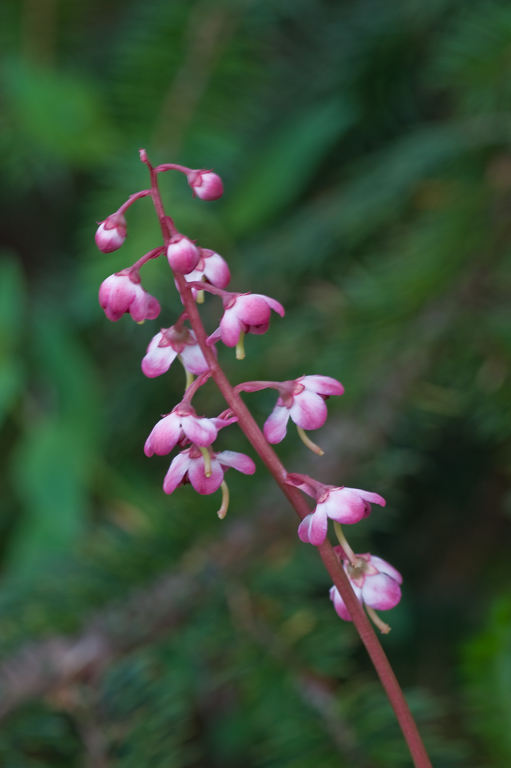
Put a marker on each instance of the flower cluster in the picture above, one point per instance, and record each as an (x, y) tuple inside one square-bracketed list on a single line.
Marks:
[(197, 270)]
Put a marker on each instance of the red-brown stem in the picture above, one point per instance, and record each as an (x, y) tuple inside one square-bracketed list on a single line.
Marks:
[(297, 501)]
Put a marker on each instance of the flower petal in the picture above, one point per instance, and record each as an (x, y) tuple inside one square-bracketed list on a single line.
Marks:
[(236, 460), (344, 506), (275, 426), (164, 436), (199, 431), (176, 471), (275, 305), (292, 478), (252, 309), (314, 527), (193, 359), (322, 385), (202, 484), (381, 592), (230, 328), (308, 410), (216, 269), (339, 604), (157, 359), (372, 498), (387, 568)]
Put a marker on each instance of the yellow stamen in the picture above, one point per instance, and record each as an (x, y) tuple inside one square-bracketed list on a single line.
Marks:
[(240, 347), (189, 376), (308, 442), (200, 297), (207, 460), (356, 563), (384, 628), (140, 322), (225, 501)]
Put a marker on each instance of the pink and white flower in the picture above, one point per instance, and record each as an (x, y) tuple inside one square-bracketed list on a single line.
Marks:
[(205, 184), (111, 233), (244, 313), (182, 254), (301, 400), (183, 424), (345, 505), (375, 583), (211, 268), (122, 292), (188, 467), (167, 345)]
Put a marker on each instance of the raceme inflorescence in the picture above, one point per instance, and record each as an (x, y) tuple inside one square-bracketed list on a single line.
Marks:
[(359, 580)]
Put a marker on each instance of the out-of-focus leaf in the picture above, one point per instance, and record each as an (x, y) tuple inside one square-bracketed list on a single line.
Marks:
[(55, 113), (280, 173), (12, 301)]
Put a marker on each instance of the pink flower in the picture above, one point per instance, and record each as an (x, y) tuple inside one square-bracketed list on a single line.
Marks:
[(122, 292), (345, 505), (184, 424), (212, 267), (111, 233), (182, 254), (205, 184), (167, 345), (244, 313), (188, 467), (375, 583), (302, 400)]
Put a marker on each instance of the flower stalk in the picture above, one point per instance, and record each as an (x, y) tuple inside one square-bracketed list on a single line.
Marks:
[(249, 313)]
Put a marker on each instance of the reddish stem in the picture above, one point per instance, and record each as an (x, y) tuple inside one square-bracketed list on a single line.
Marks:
[(274, 465), (131, 199)]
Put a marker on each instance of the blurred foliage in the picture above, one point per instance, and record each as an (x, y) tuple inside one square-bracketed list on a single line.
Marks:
[(365, 150)]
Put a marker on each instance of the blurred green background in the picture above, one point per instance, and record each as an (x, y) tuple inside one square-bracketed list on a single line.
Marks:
[(365, 148)]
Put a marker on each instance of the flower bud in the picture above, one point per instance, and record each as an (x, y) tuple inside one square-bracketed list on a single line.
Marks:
[(111, 233), (182, 254), (206, 184)]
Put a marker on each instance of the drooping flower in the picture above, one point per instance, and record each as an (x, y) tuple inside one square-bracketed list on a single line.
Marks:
[(205, 184), (111, 233), (244, 313), (168, 344), (375, 583), (182, 254), (211, 268), (123, 292), (301, 400), (188, 467), (345, 505), (183, 425)]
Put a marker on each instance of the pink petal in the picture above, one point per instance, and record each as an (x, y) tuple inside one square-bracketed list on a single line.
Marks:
[(202, 484), (230, 328), (387, 568), (176, 472), (220, 423), (275, 426), (308, 410), (164, 436), (344, 506), (304, 529), (339, 604), (372, 498), (297, 480), (215, 336), (381, 592), (322, 385), (275, 305), (238, 461), (199, 431), (193, 359), (153, 308), (216, 269), (257, 329), (157, 359), (139, 305), (252, 309), (314, 527)]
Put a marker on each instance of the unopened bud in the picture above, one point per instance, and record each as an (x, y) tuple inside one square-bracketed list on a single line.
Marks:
[(206, 184), (111, 233), (182, 254)]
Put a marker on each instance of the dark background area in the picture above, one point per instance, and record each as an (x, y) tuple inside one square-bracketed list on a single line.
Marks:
[(365, 152)]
